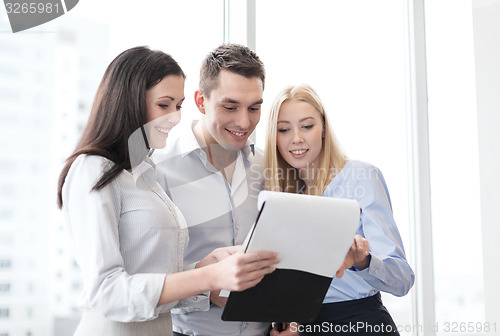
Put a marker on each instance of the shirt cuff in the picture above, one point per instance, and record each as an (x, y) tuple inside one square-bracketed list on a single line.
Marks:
[(199, 302), (192, 304), (374, 270), (190, 266), (145, 295)]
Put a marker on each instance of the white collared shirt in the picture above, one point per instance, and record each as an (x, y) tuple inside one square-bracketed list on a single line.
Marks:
[(218, 213), (126, 237)]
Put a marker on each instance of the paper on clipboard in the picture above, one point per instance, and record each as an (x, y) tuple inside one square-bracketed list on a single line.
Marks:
[(310, 233)]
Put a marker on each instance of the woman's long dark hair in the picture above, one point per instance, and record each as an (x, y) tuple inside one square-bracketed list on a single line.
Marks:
[(119, 109)]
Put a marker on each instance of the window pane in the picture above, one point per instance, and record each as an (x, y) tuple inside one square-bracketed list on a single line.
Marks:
[(48, 79), (458, 267), (4, 313), (4, 288), (353, 55)]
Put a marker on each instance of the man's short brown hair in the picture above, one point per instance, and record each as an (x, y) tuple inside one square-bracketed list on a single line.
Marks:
[(236, 58)]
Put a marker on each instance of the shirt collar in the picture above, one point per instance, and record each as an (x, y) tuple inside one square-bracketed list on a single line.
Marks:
[(145, 167), (189, 143), (249, 148)]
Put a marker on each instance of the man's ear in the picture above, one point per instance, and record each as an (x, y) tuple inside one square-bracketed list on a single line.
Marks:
[(199, 100)]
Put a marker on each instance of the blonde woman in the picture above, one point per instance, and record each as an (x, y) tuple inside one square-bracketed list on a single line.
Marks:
[(303, 156)]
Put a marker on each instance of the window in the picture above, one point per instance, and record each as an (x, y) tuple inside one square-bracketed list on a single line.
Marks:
[(7, 190), (74, 60), (8, 95), (6, 238), (353, 55), (6, 214), (76, 286), (5, 263), (4, 288), (7, 119), (458, 281), (7, 166), (4, 313)]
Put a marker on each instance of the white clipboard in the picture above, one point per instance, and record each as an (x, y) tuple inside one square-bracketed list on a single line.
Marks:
[(310, 233)]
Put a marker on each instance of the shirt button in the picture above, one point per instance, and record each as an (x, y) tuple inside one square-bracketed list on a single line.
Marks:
[(237, 227), (172, 209), (182, 234), (154, 189)]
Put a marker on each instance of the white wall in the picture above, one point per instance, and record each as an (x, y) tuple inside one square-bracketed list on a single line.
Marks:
[(486, 17)]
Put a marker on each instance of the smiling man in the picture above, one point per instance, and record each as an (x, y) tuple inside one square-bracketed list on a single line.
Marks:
[(231, 111), (213, 174)]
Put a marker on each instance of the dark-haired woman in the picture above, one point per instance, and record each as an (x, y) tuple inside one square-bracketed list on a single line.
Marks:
[(128, 237)]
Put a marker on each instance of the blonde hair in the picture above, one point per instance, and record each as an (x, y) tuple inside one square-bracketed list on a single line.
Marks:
[(279, 175)]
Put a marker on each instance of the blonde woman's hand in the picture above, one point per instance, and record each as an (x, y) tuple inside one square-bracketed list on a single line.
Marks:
[(358, 256)]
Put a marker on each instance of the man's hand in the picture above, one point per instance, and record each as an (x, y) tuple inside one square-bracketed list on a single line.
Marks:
[(291, 329), (218, 300), (218, 255)]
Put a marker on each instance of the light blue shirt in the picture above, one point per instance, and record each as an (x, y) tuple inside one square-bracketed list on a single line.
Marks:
[(218, 214), (388, 271)]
